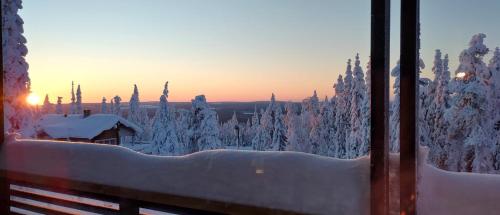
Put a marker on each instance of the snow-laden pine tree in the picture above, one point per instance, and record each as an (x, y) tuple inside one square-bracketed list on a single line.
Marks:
[(279, 141), (252, 129), (59, 109), (165, 140), (348, 83), (116, 104), (437, 69), (471, 126), (111, 106), (205, 125), (229, 132), (313, 104), (358, 96), (79, 106), (395, 108), (246, 134), (439, 145), (340, 119), (366, 113), (494, 67), (263, 138), (394, 118), (72, 106), (297, 136), (290, 109), (265, 132), (47, 106), (309, 114), (332, 149), (183, 121), (321, 132), (104, 106), (134, 106), (138, 115), (17, 114)]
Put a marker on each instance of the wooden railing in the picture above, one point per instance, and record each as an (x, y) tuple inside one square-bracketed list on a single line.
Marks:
[(45, 195), (71, 178)]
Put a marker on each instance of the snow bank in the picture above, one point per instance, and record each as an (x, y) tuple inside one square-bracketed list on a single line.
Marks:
[(291, 181), (75, 126), (454, 193)]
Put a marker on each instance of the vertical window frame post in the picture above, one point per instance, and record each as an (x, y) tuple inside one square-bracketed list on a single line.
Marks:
[(409, 137), (379, 127)]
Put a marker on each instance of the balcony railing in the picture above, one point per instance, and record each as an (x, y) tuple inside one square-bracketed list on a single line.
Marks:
[(75, 178)]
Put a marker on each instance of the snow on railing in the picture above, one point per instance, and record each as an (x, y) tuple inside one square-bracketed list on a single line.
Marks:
[(455, 193), (288, 181)]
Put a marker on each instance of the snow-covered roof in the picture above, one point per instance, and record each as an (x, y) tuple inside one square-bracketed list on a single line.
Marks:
[(75, 126)]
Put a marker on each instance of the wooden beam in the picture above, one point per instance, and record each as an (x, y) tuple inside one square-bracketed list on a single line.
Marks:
[(127, 198), (409, 104), (4, 185), (379, 128)]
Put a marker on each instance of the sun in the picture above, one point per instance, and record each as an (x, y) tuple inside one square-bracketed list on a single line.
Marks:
[(460, 75), (33, 99)]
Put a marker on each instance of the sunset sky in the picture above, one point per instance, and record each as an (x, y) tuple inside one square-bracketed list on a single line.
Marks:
[(229, 50)]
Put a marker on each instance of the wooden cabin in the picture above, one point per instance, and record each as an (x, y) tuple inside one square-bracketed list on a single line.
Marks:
[(97, 128)]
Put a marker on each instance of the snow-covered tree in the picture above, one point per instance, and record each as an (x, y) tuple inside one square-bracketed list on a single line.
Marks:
[(348, 86), (17, 114), (439, 145), (117, 105), (138, 115), (111, 106), (279, 141), (425, 99), (320, 135), (229, 135), (59, 109), (309, 114), (104, 106), (366, 113), (340, 120), (79, 107), (358, 96), (205, 125), (183, 127), (470, 112), (263, 138), (265, 132), (252, 128), (72, 107), (47, 106), (291, 110), (246, 134), (165, 140), (165, 90), (297, 136), (432, 112), (494, 67), (394, 118), (395, 108)]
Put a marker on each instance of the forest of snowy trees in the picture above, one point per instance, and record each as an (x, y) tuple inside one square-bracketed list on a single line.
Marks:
[(459, 118)]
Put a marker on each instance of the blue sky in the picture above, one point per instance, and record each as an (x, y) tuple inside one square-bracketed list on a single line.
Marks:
[(239, 50)]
